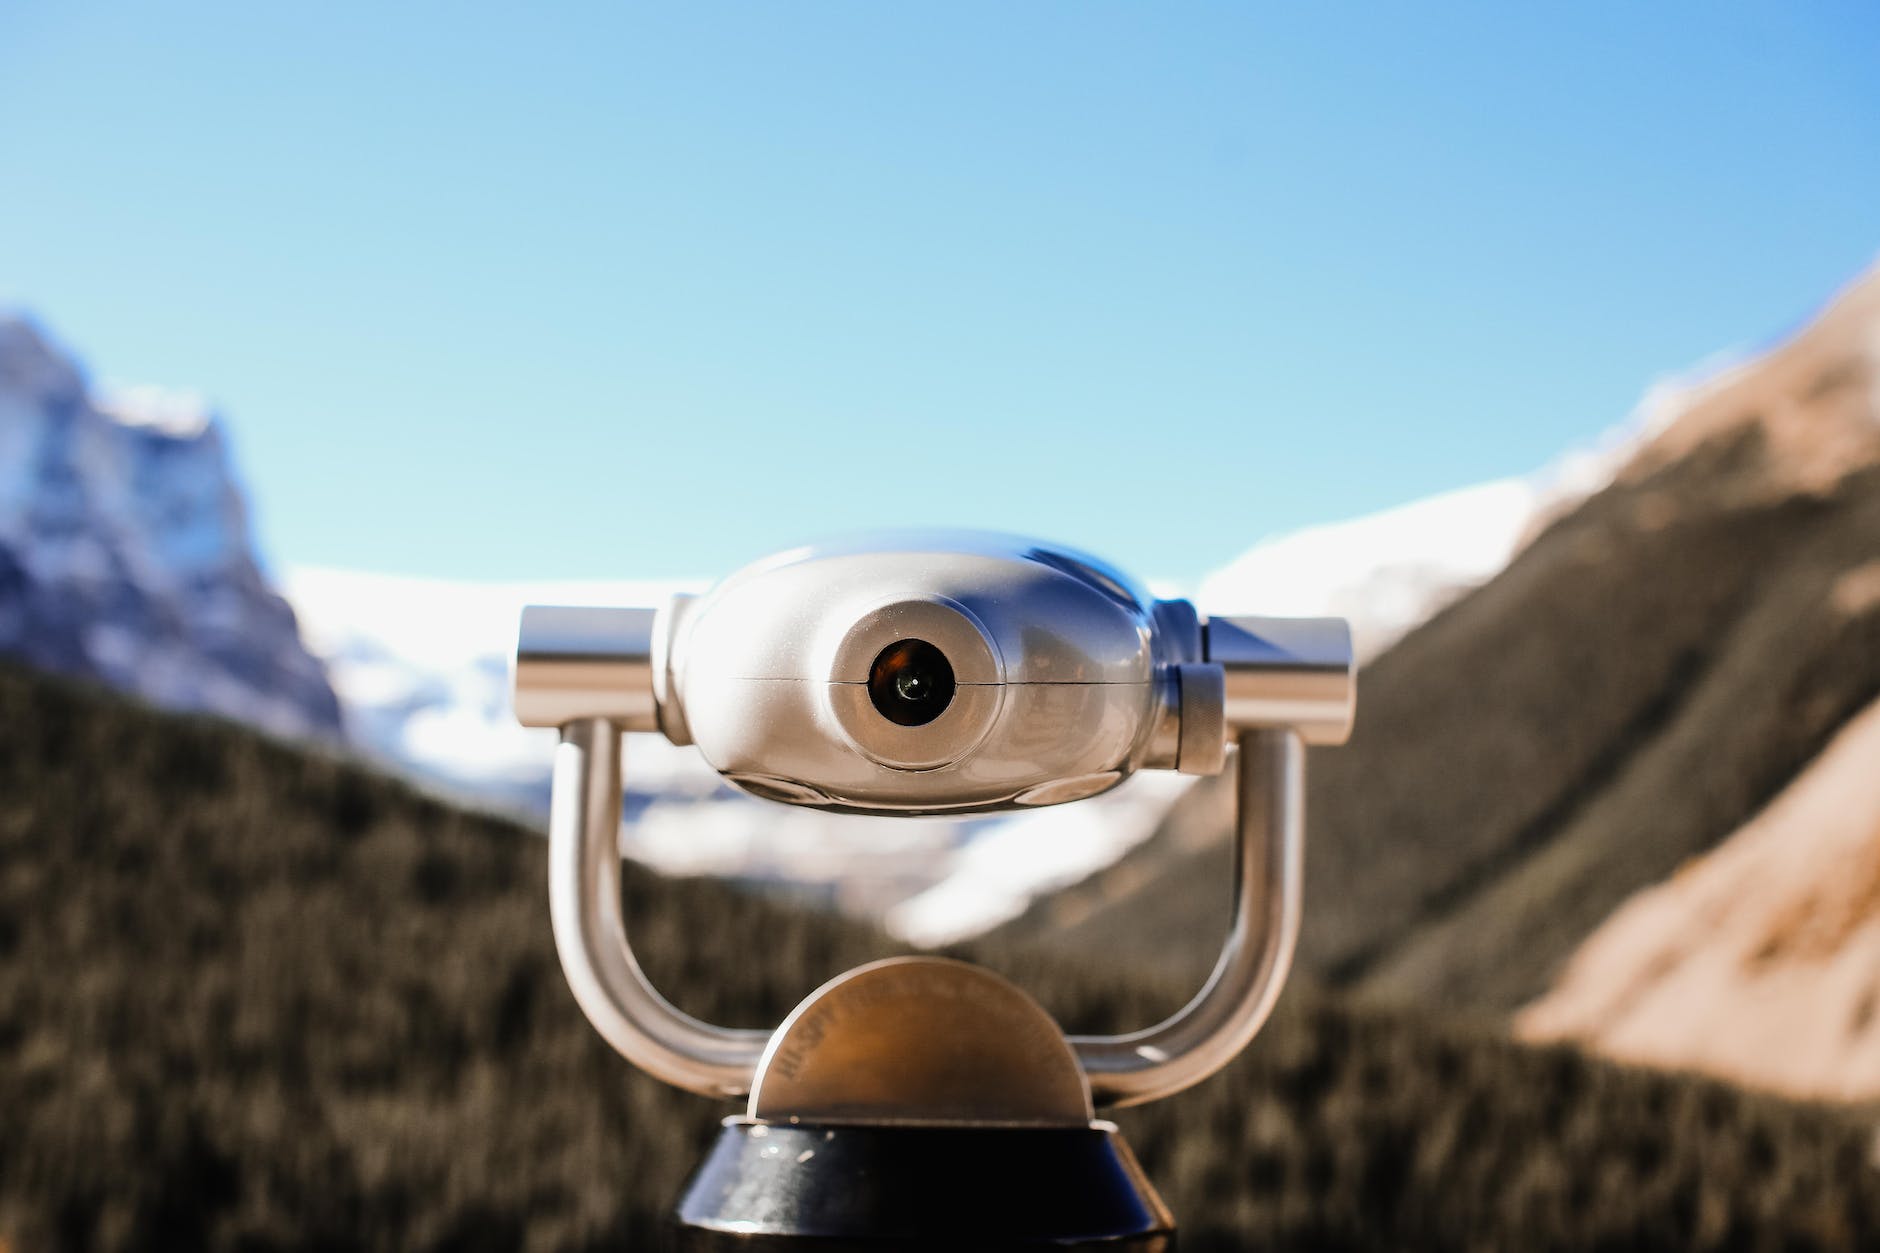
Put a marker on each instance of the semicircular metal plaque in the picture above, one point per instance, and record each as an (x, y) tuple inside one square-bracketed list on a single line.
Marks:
[(921, 1040)]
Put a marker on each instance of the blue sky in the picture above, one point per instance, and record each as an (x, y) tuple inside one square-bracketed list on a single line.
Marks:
[(591, 290)]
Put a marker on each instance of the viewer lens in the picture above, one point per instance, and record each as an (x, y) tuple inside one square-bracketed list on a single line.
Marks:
[(911, 683)]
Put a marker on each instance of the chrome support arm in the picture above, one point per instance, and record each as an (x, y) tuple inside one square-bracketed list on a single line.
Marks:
[(586, 910), (591, 935), (1224, 1017), (587, 913)]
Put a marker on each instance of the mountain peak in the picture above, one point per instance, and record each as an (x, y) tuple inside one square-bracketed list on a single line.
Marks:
[(31, 368), (175, 413), (1805, 413), (125, 552)]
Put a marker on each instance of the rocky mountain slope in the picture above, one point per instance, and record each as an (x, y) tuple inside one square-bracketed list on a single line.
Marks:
[(1761, 960), (1642, 679), (125, 555), (254, 998)]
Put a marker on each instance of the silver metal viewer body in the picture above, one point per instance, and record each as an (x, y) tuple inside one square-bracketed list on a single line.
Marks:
[(926, 674)]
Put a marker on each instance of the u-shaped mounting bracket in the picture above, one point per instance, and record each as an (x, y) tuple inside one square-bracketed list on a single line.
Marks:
[(591, 935)]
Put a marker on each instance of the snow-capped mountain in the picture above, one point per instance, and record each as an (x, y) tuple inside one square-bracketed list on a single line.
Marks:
[(1387, 572), (125, 554)]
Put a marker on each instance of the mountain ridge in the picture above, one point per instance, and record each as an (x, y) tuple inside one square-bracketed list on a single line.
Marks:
[(1755, 961), (125, 552)]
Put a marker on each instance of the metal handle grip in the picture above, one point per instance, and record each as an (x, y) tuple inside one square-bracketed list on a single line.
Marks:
[(585, 908), (591, 937), (1207, 1033)]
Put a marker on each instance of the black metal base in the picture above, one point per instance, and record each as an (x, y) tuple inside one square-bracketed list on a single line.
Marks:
[(806, 1187)]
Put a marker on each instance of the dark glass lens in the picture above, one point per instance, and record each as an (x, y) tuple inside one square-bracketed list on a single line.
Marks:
[(911, 683)]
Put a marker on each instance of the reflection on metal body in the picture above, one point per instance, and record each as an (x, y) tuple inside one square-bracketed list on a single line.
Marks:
[(576, 662), (1054, 657), (590, 935), (921, 1040), (1286, 672)]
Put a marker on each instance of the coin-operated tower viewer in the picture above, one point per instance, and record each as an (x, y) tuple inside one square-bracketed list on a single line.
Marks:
[(921, 1102)]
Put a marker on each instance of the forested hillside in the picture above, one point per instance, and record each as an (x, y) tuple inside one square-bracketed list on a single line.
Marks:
[(252, 998)]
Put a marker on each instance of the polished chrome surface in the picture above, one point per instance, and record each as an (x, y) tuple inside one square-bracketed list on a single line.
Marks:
[(666, 628), (1064, 671), (1055, 657), (580, 662), (1178, 632), (1225, 1016), (1201, 741), (591, 934), (921, 1040), (978, 672), (1287, 672), (917, 542)]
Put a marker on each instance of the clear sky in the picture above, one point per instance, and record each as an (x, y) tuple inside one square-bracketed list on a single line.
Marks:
[(591, 290)]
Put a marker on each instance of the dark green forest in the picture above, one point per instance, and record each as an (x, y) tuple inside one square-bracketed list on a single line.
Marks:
[(254, 998)]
